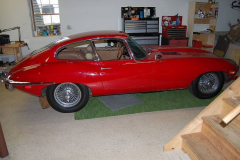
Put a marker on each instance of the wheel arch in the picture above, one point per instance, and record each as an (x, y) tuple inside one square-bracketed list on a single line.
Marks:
[(194, 90), (67, 97), (224, 75), (44, 90)]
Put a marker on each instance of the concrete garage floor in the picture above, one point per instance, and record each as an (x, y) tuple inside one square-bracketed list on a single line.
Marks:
[(34, 133)]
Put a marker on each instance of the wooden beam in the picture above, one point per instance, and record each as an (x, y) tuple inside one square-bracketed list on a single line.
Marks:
[(3, 147)]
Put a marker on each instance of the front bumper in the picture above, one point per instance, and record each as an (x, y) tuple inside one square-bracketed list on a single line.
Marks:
[(236, 75)]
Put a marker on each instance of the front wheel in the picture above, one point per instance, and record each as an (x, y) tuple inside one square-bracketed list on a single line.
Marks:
[(207, 85), (67, 97)]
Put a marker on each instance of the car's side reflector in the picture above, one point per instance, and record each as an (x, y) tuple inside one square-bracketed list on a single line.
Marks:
[(27, 87)]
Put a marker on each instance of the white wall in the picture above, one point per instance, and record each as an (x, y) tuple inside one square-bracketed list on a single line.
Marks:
[(87, 15), (226, 14)]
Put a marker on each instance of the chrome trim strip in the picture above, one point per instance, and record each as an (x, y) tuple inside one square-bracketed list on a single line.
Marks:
[(28, 83), (5, 79)]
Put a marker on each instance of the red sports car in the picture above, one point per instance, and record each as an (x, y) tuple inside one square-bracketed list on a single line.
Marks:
[(71, 69)]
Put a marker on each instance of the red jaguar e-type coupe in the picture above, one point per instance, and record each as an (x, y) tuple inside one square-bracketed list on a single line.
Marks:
[(71, 69)]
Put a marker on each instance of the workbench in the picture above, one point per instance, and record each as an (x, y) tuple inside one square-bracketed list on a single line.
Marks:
[(12, 49)]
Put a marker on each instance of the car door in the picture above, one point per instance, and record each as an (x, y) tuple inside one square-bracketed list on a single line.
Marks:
[(116, 74), (118, 69)]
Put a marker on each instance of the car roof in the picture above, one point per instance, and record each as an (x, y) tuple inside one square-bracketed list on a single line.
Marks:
[(93, 35)]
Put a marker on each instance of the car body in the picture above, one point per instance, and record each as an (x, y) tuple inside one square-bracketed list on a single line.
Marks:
[(71, 69)]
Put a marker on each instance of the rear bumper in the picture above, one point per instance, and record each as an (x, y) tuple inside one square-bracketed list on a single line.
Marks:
[(9, 84), (4, 79), (4, 76)]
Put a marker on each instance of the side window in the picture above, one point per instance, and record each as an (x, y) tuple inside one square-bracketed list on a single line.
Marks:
[(77, 51), (111, 49)]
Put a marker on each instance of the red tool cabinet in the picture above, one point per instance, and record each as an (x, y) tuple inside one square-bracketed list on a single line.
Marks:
[(173, 32), (175, 41)]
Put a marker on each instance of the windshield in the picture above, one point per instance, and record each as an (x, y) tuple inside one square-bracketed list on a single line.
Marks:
[(138, 52), (42, 49)]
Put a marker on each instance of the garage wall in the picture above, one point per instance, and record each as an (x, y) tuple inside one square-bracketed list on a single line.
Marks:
[(90, 15)]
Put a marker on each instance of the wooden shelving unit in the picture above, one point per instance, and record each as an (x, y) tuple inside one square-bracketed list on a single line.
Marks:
[(206, 38)]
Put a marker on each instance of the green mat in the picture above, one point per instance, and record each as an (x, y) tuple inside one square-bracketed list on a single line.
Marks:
[(155, 101)]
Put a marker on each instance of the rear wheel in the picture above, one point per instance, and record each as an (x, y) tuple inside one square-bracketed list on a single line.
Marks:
[(207, 85), (67, 97)]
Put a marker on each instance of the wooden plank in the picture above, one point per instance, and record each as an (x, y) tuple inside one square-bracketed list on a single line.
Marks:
[(213, 108), (233, 101), (8, 51), (189, 151), (16, 45), (207, 49), (230, 133), (190, 26), (230, 116), (20, 52), (198, 147), (217, 140), (44, 103), (202, 20), (9, 67), (3, 147)]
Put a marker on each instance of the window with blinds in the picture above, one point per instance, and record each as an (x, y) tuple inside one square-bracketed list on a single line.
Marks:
[(46, 18)]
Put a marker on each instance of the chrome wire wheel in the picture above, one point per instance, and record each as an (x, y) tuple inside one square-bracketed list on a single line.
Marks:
[(208, 83), (67, 94)]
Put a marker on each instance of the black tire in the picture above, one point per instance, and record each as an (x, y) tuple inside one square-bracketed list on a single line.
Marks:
[(207, 85), (67, 97)]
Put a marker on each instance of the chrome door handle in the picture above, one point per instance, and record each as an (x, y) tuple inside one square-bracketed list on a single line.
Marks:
[(102, 68)]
